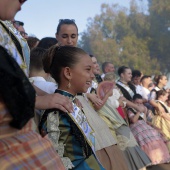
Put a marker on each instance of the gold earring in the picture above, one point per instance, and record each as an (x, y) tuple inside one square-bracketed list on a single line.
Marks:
[(69, 85)]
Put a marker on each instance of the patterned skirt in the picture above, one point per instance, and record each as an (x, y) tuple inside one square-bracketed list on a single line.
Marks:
[(151, 142), (162, 124), (28, 151)]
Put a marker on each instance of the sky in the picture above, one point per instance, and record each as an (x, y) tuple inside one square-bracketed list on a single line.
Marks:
[(41, 17)]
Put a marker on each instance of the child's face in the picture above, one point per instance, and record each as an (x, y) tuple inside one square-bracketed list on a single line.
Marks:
[(82, 75), (138, 102), (136, 80), (164, 97)]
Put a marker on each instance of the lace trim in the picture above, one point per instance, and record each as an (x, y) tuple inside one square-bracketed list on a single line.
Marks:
[(52, 127), (127, 88)]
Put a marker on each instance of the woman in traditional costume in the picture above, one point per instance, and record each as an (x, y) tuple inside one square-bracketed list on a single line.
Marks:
[(117, 125), (160, 83), (135, 157), (70, 133), (149, 139), (107, 150), (162, 118)]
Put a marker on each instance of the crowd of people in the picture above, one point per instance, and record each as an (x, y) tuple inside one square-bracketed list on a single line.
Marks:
[(58, 111)]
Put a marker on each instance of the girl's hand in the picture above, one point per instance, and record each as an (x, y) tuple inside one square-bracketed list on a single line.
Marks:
[(94, 99)]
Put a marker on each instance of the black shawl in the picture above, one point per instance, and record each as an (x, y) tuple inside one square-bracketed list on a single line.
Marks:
[(15, 90)]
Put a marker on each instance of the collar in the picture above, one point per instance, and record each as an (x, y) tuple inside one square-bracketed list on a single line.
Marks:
[(125, 83), (65, 93), (157, 88)]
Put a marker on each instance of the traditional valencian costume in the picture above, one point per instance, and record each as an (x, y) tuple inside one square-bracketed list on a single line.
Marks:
[(149, 139), (107, 151), (72, 136), (21, 147), (16, 45), (136, 158), (128, 90), (161, 122)]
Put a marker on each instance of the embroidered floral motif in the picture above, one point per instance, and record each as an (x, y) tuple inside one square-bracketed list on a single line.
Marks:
[(54, 133), (7, 42)]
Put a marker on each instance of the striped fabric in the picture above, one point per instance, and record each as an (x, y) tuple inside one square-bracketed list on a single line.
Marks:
[(162, 122), (25, 149), (144, 133)]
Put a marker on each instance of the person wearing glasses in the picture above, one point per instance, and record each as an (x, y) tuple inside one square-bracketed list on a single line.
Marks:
[(21, 147), (17, 24), (20, 27)]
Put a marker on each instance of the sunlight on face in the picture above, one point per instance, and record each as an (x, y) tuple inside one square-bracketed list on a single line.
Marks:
[(96, 68), (67, 35), (82, 75), (164, 97), (164, 80), (127, 75)]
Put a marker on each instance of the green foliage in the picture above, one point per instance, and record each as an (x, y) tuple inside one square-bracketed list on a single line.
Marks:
[(131, 37), (160, 31)]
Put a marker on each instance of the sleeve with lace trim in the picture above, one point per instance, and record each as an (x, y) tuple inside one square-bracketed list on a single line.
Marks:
[(54, 135)]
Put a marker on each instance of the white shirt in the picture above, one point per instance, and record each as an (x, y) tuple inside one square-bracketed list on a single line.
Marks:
[(145, 93), (138, 89), (102, 76), (93, 85), (41, 83), (114, 98)]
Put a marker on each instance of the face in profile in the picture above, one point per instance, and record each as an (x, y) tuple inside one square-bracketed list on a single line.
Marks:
[(164, 80), (82, 75), (22, 32), (127, 75), (96, 68), (164, 98), (168, 101), (67, 35), (148, 81)]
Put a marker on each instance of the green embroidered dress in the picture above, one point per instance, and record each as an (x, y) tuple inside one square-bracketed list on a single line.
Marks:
[(69, 140)]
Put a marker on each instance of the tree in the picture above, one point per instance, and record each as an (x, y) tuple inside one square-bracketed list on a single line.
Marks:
[(160, 32), (121, 37)]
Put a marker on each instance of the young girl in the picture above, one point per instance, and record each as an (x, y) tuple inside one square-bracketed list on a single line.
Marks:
[(70, 133), (149, 139), (162, 118), (106, 144), (160, 83)]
